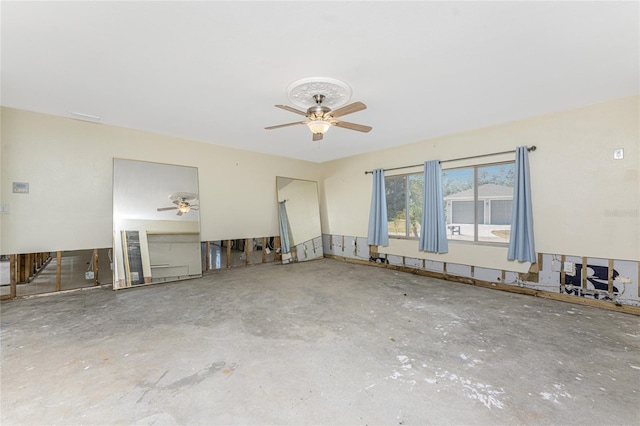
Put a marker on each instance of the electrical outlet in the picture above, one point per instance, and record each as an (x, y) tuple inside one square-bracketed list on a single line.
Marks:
[(569, 268)]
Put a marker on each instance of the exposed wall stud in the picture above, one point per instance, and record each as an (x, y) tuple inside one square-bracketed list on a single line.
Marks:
[(22, 268), (264, 249), (610, 277), (277, 256), (247, 250), (207, 256), (228, 253), (13, 275), (583, 273), (58, 271), (95, 267), (563, 274), (28, 264)]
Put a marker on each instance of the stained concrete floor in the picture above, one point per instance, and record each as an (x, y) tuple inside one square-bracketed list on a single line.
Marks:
[(322, 342)]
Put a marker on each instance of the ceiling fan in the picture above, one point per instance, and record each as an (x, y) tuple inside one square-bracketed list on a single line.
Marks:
[(184, 203), (320, 118)]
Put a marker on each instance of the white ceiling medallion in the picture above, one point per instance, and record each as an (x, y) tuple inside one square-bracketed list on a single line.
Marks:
[(336, 92)]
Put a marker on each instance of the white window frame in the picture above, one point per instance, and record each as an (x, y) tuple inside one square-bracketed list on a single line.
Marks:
[(486, 212)]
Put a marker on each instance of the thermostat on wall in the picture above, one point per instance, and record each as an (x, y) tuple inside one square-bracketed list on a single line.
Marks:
[(20, 187)]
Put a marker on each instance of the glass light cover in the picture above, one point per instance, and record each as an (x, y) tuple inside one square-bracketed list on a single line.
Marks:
[(318, 126)]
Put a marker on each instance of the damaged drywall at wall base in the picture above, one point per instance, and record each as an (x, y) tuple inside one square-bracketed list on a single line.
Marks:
[(326, 244), (392, 259), (459, 270), (628, 281), (350, 246), (411, 262), (615, 282), (602, 279), (362, 249), (347, 246), (308, 250), (487, 274), (433, 265)]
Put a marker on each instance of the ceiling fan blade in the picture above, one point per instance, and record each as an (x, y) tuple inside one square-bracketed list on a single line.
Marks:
[(162, 209), (348, 109), (179, 213), (317, 137), (284, 125), (291, 109), (353, 126)]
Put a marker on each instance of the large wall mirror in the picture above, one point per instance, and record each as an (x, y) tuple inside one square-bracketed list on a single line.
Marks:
[(156, 223), (299, 215)]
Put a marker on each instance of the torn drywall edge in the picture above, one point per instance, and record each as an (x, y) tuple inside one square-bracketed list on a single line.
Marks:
[(551, 270)]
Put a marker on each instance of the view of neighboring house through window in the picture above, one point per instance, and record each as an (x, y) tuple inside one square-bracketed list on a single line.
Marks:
[(489, 188), (478, 202)]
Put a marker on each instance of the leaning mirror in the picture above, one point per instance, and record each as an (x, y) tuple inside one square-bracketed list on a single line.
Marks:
[(299, 215), (156, 223)]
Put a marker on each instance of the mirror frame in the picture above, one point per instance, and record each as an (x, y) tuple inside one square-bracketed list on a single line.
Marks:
[(310, 248), (144, 198)]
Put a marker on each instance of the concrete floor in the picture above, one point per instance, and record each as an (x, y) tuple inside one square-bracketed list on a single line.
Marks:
[(320, 342)]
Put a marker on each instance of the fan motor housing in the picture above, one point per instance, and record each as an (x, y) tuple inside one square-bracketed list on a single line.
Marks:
[(318, 111)]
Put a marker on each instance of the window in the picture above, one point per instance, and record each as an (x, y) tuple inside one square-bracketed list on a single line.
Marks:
[(404, 194), (478, 202)]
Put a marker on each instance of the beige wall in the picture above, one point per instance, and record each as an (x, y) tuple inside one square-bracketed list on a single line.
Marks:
[(68, 164), (585, 202)]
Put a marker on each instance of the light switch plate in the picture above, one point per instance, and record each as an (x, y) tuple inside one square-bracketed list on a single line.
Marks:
[(618, 154)]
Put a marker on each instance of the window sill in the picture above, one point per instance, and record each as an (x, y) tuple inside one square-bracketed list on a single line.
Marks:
[(401, 237), (461, 242), (478, 243)]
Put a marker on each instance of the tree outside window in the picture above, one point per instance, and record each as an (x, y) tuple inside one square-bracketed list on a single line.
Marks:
[(404, 204)]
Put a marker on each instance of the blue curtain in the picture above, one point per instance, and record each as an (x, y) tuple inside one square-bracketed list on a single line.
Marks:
[(284, 229), (378, 228), (521, 246), (433, 232)]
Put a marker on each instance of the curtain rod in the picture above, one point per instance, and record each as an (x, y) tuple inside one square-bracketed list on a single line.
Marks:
[(531, 148)]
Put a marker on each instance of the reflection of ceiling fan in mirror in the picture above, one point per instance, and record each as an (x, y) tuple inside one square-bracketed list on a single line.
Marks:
[(320, 118), (184, 203)]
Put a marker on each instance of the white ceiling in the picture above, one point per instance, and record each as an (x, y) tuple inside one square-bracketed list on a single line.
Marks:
[(213, 71)]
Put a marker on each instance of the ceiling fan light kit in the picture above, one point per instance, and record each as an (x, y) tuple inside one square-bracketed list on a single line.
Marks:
[(184, 203), (318, 126), (318, 94)]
